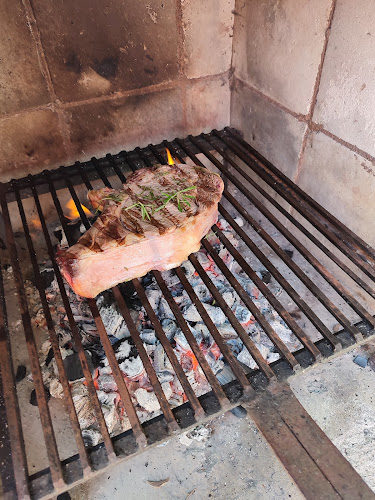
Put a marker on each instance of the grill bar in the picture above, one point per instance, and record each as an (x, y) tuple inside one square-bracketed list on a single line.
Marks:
[(224, 150)]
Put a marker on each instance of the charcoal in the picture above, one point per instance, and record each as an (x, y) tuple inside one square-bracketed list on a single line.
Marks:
[(245, 358), (47, 277), (229, 298), (169, 327), (165, 312), (49, 357), (148, 336), (227, 331), (361, 361), (225, 375), (147, 400), (73, 368), (148, 280), (265, 276), (239, 412), (203, 293), (21, 373), (289, 252), (154, 297), (123, 350), (132, 367), (33, 399), (188, 268), (242, 314), (91, 437)]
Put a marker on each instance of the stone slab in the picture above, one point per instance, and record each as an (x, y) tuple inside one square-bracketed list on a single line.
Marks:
[(30, 142), (346, 99), (271, 131), (95, 49), (342, 181), (207, 105), (113, 125), (208, 31), (22, 84), (277, 47)]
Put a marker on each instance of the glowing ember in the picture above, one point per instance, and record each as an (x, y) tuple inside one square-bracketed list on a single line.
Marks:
[(36, 223), (170, 159), (73, 212)]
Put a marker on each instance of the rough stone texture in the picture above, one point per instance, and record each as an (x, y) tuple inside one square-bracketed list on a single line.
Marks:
[(208, 31), (22, 84), (342, 181), (207, 104), (277, 47), (125, 123), (94, 49), (346, 99), (30, 142), (271, 131), (236, 462), (339, 395)]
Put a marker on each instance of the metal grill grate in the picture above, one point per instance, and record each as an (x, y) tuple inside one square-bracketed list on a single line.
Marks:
[(270, 204)]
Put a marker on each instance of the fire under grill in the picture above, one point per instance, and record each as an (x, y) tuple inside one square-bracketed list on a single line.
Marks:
[(278, 284)]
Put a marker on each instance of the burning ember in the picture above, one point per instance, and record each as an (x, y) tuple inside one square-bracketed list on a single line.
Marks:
[(140, 388), (73, 212)]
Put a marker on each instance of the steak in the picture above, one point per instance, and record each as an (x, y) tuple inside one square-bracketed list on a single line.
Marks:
[(154, 222)]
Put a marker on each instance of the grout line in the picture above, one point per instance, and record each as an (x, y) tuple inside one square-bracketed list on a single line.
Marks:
[(241, 83), (181, 61), (54, 106), (318, 128), (35, 33), (314, 97)]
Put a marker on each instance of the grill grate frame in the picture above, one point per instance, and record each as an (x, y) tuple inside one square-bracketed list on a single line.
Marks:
[(245, 169)]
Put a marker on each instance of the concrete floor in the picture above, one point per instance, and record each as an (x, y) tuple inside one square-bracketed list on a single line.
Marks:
[(236, 462)]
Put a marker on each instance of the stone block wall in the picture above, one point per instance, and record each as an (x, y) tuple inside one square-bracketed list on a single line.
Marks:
[(303, 93), (86, 78)]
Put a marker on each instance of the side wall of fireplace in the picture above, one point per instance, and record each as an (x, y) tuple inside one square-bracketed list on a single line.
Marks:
[(84, 78), (303, 93)]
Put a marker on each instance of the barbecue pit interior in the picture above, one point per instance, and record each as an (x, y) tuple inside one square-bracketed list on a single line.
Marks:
[(270, 96)]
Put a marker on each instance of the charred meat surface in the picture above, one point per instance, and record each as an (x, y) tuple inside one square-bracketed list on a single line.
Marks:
[(154, 223)]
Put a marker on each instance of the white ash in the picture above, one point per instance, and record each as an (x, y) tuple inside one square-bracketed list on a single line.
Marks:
[(130, 363), (147, 400), (132, 367)]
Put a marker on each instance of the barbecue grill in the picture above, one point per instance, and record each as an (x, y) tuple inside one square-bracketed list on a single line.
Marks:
[(320, 249)]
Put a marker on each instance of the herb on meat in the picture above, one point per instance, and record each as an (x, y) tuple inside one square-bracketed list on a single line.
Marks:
[(147, 210), (180, 196), (142, 207)]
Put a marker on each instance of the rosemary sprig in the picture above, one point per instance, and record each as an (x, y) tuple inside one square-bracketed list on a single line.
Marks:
[(149, 210), (142, 207), (181, 198)]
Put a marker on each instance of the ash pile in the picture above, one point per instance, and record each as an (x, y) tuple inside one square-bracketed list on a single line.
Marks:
[(139, 386)]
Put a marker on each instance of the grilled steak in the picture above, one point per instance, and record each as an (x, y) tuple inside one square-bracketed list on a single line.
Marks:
[(155, 222)]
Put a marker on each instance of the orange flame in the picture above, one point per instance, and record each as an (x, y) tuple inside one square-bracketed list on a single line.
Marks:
[(170, 159), (73, 212)]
